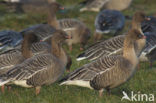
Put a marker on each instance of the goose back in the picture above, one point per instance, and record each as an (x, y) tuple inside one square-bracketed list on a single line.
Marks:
[(9, 39), (109, 21)]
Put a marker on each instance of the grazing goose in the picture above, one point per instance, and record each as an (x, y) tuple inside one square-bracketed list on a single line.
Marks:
[(43, 69), (96, 5), (9, 39), (110, 71), (79, 32), (113, 45), (44, 30), (108, 21)]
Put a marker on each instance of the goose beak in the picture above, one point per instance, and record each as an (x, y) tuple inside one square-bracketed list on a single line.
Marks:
[(144, 37)]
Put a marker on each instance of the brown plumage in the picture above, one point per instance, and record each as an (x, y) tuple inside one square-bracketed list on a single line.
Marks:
[(41, 69), (79, 32), (110, 71)]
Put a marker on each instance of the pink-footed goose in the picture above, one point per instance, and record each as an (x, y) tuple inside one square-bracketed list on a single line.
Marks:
[(41, 69), (114, 45), (110, 71)]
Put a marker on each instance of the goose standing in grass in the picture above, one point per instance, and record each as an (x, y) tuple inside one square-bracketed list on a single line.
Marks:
[(108, 21), (110, 71), (113, 45), (43, 69), (96, 5), (79, 32)]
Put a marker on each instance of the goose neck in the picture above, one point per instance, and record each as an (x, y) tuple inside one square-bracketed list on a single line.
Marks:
[(129, 51)]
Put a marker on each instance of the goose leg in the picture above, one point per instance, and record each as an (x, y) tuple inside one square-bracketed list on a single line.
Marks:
[(101, 93), (70, 47), (9, 88), (151, 64), (38, 88), (2, 88), (97, 36)]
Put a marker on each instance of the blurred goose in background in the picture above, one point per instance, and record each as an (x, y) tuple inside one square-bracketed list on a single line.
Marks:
[(114, 45), (110, 71), (96, 5), (42, 31), (79, 32), (43, 69), (28, 6), (9, 39), (45, 30), (149, 26), (108, 21)]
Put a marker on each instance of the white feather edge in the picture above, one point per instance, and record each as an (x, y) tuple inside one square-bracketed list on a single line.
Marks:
[(83, 83)]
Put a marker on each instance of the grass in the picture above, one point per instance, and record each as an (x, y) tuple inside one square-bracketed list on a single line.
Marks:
[(144, 80)]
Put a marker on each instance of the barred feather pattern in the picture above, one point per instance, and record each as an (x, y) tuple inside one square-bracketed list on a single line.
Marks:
[(69, 23), (105, 48), (109, 71), (37, 70), (9, 60), (89, 71)]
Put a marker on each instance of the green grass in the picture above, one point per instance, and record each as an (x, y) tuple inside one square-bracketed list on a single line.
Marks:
[(144, 80)]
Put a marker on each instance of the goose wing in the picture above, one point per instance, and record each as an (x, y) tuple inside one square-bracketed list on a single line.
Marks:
[(103, 48), (9, 39), (30, 67), (89, 71), (9, 60)]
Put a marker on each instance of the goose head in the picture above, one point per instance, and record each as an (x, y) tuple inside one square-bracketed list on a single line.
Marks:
[(54, 7), (140, 17), (135, 34), (60, 36)]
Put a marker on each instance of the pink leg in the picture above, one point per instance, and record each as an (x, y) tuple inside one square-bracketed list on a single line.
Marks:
[(38, 90), (2, 88)]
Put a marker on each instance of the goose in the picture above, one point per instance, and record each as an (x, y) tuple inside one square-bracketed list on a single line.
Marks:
[(11, 58), (108, 21), (43, 69), (9, 39), (113, 45), (79, 32), (110, 71), (96, 5)]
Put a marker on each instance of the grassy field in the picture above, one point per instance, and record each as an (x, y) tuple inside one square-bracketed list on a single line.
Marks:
[(144, 80)]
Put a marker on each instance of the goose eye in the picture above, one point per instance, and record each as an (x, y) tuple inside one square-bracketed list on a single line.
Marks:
[(140, 36)]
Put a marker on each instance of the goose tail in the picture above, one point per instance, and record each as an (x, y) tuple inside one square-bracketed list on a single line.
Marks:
[(2, 82), (81, 57)]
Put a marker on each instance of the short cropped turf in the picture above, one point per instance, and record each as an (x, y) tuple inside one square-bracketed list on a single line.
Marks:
[(144, 81)]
